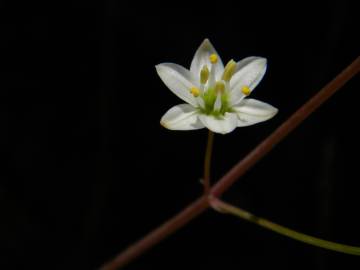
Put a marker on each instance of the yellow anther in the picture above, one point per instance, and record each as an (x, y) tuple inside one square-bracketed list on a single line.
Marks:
[(246, 90), (204, 75), (213, 58), (229, 70), (195, 91), (219, 87)]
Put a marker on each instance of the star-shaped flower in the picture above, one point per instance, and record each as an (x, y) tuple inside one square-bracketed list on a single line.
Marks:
[(215, 96)]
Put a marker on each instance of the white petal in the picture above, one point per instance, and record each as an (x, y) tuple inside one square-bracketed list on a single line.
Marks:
[(201, 58), (236, 96), (249, 72), (225, 125), (252, 111), (181, 117), (179, 80), (242, 63), (200, 102)]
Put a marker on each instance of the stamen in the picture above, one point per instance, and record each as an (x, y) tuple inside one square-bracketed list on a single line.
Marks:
[(219, 87), (246, 90), (211, 82), (217, 104), (204, 74), (229, 70), (195, 91), (213, 58)]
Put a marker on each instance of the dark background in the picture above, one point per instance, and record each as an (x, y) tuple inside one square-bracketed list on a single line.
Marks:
[(86, 169)]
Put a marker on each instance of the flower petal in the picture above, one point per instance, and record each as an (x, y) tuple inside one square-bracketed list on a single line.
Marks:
[(181, 117), (179, 80), (243, 62), (252, 111), (225, 125), (201, 58), (249, 72)]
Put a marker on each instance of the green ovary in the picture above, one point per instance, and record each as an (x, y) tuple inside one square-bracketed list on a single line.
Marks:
[(209, 98)]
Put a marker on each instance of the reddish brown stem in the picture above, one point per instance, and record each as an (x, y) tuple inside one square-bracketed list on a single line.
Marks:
[(158, 234), (237, 171), (289, 125)]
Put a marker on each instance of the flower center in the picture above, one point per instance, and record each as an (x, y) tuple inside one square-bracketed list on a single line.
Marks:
[(213, 95)]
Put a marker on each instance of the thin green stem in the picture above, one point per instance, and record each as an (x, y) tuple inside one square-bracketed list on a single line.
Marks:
[(207, 162), (228, 208)]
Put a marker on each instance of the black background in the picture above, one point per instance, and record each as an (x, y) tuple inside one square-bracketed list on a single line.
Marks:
[(86, 169)]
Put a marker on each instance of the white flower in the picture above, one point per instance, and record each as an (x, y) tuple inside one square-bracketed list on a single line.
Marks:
[(215, 96)]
